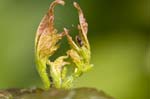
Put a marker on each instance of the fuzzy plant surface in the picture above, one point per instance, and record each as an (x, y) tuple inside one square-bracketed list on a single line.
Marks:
[(56, 73)]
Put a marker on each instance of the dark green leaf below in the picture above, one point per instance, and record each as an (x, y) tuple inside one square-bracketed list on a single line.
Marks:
[(77, 93)]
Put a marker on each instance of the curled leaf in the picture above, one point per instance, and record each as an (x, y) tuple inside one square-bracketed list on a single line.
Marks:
[(46, 42), (47, 36), (56, 69), (80, 52), (82, 20)]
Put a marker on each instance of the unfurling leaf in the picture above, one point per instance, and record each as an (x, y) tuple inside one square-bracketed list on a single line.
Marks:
[(80, 52), (46, 42), (55, 73)]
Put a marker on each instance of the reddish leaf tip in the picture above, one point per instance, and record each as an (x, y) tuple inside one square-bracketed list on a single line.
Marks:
[(60, 2)]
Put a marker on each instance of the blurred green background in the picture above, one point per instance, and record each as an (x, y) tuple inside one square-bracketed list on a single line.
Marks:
[(119, 33)]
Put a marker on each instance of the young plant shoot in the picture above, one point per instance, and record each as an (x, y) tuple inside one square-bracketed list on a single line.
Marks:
[(55, 73)]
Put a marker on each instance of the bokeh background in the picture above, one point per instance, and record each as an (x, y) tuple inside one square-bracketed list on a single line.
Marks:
[(119, 33)]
